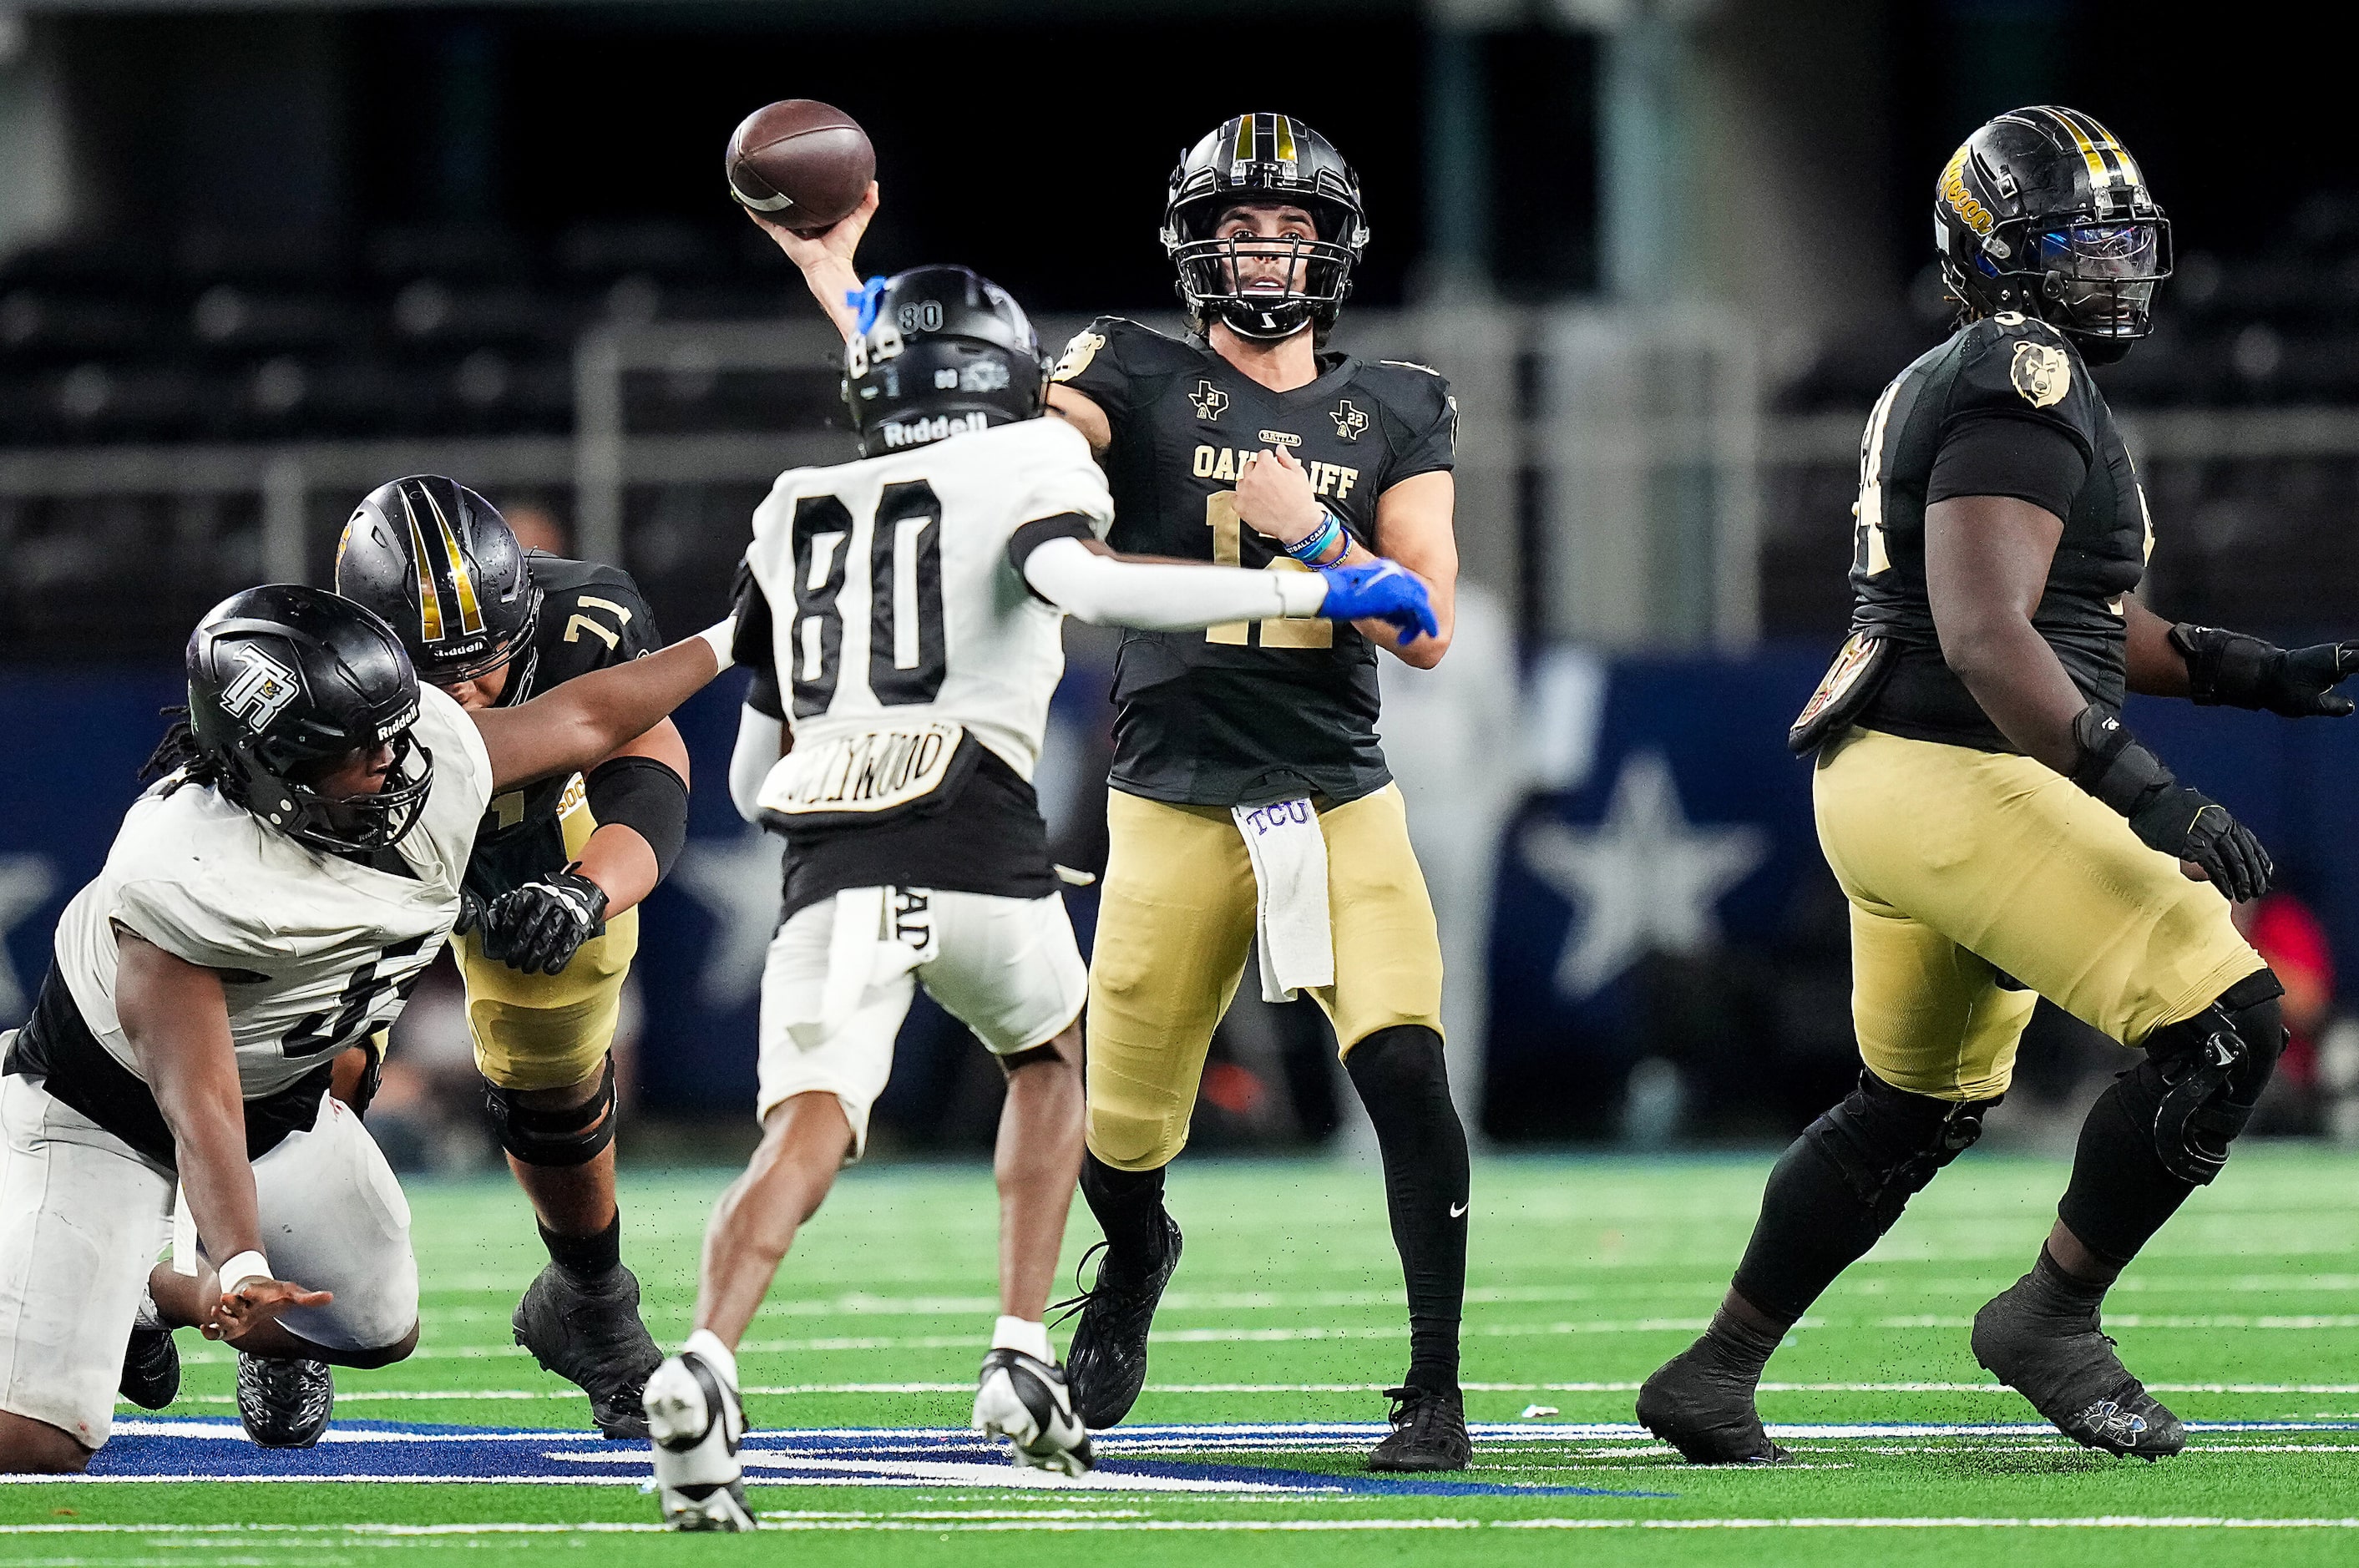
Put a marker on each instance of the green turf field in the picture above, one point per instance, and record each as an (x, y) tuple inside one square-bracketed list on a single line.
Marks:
[(1585, 1275)]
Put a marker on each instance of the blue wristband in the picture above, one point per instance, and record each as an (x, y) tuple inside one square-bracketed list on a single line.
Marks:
[(1311, 546)]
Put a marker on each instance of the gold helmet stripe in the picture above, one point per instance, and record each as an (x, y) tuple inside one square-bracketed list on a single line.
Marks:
[(2099, 176), (429, 603), (2124, 171), (1243, 152), (1285, 124), (463, 582)]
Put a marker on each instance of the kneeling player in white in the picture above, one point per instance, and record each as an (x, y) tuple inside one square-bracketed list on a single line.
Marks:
[(900, 693), (270, 901)]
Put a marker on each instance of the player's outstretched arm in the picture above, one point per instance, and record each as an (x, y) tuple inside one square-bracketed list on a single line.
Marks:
[(589, 718), (825, 259), (177, 1020), (2229, 669), (1092, 583)]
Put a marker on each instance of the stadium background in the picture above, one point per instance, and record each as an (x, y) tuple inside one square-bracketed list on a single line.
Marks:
[(254, 261)]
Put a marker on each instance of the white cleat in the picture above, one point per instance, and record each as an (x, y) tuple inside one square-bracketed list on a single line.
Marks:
[(697, 1422), (1027, 1402)]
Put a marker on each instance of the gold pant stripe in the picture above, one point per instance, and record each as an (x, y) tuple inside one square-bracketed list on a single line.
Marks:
[(1962, 866), (547, 1031), (1175, 925)]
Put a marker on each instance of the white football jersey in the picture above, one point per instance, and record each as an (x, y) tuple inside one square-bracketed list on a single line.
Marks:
[(892, 597), (315, 951)]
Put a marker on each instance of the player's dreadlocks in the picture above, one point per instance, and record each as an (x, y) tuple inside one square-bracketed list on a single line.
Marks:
[(177, 757)]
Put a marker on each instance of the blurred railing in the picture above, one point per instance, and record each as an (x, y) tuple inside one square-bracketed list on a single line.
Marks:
[(1619, 483)]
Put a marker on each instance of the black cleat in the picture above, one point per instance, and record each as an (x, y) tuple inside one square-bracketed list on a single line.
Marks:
[(1429, 1433), (151, 1368), (1105, 1367), (589, 1334), (284, 1403), (1704, 1409), (2060, 1359)]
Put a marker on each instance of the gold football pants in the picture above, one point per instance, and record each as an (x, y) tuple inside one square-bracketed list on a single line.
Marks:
[(547, 1031), (1967, 870), (1175, 924)]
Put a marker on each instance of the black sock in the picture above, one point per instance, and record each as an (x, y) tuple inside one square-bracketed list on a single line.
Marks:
[(1812, 1228), (2120, 1194), (1743, 1347), (1129, 1209), (1402, 1081), (588, 1255), (2062, 1292)]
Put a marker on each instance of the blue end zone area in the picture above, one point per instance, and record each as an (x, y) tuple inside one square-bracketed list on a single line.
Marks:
[(1129, 1461)]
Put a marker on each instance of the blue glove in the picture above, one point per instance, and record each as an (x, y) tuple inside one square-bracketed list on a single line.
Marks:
[(1382, 591)]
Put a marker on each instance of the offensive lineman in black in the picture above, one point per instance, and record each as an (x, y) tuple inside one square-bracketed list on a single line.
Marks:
[(2000, 835), (1245, 443), (551, 918)]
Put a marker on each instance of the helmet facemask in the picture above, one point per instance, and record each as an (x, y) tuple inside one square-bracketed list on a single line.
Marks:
[(1228, 277), (280, 783)]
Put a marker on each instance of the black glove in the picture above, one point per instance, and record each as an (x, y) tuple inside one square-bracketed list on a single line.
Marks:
[(2163, 814), (2240, 671), (536, 929)]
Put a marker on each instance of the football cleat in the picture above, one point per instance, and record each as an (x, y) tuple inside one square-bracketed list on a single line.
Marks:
[(1704, 1409), (1030, 1403), (151, 1368), (589, 1333), (697, 1422), (2063, 1362), (284, 1403), (1429, 1433), (1106, 1364)]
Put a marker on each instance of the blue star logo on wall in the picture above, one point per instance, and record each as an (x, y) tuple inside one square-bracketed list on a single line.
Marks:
[(1208, 400), (1349, 421), (1643, 880), (737, 881), (26, 884)]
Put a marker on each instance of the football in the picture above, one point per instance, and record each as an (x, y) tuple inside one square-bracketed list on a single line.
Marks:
[(800, 163)]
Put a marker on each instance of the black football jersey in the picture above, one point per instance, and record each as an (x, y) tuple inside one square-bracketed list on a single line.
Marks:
[(1982, 414), (591, 617), (1250, 712)]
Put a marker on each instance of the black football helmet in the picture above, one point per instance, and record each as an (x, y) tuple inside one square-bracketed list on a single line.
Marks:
[(939, 351), (1255, 158), (2043, 212), (438, 562), (286, 681)]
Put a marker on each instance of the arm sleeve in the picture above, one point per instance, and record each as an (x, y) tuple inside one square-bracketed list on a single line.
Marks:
[(646, 796), (758, 737), (1156, 597), (2000, 454), (1092, 365), (755, 646)]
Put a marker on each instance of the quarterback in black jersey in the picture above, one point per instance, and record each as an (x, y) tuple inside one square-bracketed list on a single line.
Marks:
[(2000, 835), (1244, 442), (552, 889)]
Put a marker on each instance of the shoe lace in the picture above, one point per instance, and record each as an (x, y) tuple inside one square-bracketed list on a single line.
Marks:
[(1408, 1404), (1072, 1304)]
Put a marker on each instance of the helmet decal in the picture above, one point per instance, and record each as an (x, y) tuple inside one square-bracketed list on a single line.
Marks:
[(261, 690), (1971, 212), (463, 582)]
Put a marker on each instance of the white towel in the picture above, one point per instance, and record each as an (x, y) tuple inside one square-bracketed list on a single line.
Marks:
[(851, 962), (184, 1234), (1291, 924)]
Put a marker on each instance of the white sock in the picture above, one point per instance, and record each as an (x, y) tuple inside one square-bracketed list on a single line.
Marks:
[(1021, 1334), (150, 1315), (707, 1344)]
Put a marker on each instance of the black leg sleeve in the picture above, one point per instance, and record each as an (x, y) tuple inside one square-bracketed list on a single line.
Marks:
[(1128, 1206), (1402, 1081)]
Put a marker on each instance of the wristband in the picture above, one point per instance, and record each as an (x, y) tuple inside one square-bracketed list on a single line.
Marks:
[(720, 637), (1314, 544), (243, 1270)]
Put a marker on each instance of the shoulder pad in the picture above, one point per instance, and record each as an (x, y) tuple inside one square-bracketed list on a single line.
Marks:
[(1415, 392), (1411, 365), (2011, 361)]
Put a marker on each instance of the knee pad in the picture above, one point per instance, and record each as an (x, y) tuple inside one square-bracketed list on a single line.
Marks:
[(2202, 1076), (1889, 1144), (575, 1135), (1404, 1059)]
